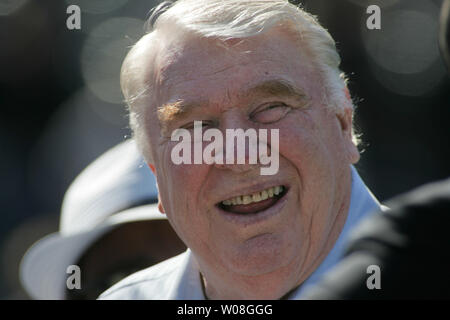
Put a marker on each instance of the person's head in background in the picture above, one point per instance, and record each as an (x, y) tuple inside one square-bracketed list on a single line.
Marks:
[(109, 227), (128, 248), (246, 65)]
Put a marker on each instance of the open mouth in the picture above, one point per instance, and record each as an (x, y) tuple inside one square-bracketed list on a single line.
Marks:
[(254, 203)]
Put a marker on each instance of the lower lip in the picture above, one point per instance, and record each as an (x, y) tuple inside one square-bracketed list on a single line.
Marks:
[(245, 219)]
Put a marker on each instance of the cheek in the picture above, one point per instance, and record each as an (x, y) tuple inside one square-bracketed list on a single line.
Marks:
[(312, 144), (180, 184), (312, 139), (180, 189), (302, 142), (304, 146)]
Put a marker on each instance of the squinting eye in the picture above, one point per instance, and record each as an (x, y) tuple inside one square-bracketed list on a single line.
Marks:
[(270, 114), (190, 125)]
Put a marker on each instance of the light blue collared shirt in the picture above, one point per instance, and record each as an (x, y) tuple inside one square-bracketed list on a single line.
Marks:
[(178, 278)]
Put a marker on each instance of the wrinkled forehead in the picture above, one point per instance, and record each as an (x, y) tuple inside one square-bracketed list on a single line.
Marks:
[(194, 58), (166, 59), (174, 66), (146, 67)]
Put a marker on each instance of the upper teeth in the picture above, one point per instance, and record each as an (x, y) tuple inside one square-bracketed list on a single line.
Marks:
[(255, 197)]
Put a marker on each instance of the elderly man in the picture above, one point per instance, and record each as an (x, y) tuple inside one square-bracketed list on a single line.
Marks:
[(261, 65)]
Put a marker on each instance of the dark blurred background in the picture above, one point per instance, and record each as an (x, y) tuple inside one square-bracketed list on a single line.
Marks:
[(62, 107)]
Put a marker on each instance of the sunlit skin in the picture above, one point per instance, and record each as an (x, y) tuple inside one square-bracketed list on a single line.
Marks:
[(243, 258)]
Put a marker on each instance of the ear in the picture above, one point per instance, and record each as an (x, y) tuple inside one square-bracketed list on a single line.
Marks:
[(160, 205), (345, 119)]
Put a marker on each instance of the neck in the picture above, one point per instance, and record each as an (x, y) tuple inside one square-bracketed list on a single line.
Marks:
[(265, 287), (272, 286)]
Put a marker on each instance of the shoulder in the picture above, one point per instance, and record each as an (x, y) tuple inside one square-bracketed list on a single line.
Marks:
[(149, 284)]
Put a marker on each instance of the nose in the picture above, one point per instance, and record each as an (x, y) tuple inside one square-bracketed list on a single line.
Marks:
[(240, 147)]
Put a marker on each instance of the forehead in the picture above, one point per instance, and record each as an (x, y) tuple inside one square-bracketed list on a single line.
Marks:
[(209, 69)]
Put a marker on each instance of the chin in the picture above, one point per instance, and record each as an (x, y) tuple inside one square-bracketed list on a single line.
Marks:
[(260, 255)]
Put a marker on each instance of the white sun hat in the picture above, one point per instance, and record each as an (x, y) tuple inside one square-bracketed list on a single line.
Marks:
[(116, 188)]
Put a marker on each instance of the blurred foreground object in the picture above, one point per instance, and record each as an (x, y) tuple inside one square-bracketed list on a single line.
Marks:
[(410, 244), (110, 226)]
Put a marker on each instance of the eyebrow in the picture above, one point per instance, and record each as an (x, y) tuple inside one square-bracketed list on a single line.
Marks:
[(172, 111), (280, 88)]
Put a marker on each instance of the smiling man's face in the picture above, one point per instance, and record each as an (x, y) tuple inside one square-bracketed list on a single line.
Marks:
[(265, 248)]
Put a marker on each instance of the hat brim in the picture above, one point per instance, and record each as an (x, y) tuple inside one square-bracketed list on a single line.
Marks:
[(43, 269)]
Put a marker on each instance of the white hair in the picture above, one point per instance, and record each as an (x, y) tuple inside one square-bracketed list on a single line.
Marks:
[(232, 19)]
